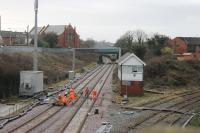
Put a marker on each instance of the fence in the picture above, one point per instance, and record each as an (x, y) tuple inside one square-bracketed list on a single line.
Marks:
[(18, 49)]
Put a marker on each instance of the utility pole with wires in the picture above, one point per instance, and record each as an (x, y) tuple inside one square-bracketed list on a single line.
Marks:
[(35, 55)]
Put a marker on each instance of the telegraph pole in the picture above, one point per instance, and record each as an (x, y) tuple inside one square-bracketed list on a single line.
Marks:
[(35, 56)]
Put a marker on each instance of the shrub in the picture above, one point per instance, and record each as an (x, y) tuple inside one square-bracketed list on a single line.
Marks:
[(168, 71), (166, 51)]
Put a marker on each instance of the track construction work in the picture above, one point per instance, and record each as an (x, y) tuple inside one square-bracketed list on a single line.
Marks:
[(48, 118)]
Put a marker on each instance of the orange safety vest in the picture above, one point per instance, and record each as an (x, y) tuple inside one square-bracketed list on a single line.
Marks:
[(62, 99), (94, 94), (72, 94)]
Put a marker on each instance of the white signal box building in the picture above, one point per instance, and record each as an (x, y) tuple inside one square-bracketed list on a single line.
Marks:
[(130, 73)]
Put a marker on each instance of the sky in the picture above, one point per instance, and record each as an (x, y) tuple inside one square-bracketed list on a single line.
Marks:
[(106, 19)]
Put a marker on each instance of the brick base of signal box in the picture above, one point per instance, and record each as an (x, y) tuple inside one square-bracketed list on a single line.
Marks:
[(136, 88)]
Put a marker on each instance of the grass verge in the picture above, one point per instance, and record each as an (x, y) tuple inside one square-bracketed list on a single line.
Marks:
[(195, 122)]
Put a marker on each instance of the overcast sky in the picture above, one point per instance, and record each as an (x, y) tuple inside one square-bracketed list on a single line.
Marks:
[(107, 19)]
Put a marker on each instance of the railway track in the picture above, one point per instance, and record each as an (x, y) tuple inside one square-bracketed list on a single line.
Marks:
[(180, 119), (51, 108), (71, 118), (80, 116), (166, 99), (62, 118), (79, 82), (160, 117), (148, 110), (29, 108), (46, 117), (63, 121)]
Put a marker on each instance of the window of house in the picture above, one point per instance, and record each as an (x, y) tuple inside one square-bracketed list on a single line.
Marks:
[(126, 69), (140, 69), (131, 69), (137, 69), (134, 69)]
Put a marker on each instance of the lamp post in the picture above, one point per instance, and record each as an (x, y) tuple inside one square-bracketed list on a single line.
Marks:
[(35, 56)]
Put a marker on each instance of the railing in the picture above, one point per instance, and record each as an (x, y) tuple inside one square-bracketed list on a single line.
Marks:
[(17, 49)]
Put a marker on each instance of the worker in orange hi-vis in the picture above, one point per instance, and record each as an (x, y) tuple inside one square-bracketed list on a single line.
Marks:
[(94, 95), (71, 94), (62, 100)]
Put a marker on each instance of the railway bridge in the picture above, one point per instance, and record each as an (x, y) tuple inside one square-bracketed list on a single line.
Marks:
[(110, 52)]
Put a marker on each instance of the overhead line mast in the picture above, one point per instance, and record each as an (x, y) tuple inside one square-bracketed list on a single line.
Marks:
[(35, 55)]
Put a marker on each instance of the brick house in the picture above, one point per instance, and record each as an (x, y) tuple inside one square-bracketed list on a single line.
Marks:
[(182, 45), (13, 38), (67, 35)]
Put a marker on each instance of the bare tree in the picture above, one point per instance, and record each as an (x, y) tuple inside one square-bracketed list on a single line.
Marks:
[(140, 36), (135, 37), (132, 41), (132, 38), (129, 37)]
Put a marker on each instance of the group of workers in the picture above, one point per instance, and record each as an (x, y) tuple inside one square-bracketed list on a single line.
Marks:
[(66, 99), (93, 94), (70, 97)]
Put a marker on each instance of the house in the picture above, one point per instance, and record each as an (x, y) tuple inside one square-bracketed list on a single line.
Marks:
[(130, 74), (13, 38), (182, 45), (67, 35), (32, 31)]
